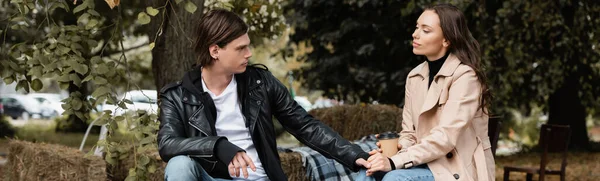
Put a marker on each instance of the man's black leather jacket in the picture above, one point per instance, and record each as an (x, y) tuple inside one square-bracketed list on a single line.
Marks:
[(188, 115)]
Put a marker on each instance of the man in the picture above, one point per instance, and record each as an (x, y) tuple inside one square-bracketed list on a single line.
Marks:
[(216, 122)]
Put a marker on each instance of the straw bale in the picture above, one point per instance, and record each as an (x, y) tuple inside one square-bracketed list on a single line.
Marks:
[(41, 161)]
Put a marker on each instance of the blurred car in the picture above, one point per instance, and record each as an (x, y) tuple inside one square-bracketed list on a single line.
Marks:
[(141, 100), (50, 102), (1, 109), (20, 106)]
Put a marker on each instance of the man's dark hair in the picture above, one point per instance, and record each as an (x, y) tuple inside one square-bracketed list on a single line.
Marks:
[(217, 27)]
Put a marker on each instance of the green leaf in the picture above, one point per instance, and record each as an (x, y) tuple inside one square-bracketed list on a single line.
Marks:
[(88, 78), (102, 69), (131, 178), (36, 71), (147, 140), (100, 91), (91, 24), (37, 84), (80, 115), (143, 18), (190, 7), (151, 45), (100, 81), (81, 7), (127, 101), (93, 12), (63, 50), (101, 121), (144, 160), (119, 118), (64, 85), (64, 78), (76, 80), (92, 43), (84, 16), (96, 60), (178, 1), (24, 85), (76, 104), (80, 68), (151, 168), (151, 11), (110, 160)]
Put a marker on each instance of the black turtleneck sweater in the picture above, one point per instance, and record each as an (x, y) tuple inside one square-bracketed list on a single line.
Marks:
[(435, 66)]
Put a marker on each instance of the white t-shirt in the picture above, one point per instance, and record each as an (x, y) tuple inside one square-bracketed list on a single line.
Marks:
[(230, 123)]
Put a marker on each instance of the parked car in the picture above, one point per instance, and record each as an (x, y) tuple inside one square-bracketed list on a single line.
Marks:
[(1, 109), (20, 106), (50, 102), (141, 99)]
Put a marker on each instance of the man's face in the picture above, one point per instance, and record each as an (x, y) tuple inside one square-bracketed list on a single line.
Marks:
[(233, 58)]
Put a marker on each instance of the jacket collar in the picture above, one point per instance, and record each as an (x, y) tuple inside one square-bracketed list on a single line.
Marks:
[(192, 82), (447, 69)]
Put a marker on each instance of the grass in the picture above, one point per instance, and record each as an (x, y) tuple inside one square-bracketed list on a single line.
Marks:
[(580, 165)]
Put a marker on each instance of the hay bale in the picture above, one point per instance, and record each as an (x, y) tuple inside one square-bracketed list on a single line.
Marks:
[(291, 162), (41, 161), (355, 121)]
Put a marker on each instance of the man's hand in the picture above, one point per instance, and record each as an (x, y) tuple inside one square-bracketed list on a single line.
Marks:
[(378, 162), (240, 161), (363, 162)]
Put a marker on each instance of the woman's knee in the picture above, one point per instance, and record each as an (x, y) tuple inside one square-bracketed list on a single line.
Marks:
[(409, 175)]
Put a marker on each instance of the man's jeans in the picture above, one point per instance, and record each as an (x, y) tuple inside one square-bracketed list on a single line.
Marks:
[(418, 173), (183, 168)]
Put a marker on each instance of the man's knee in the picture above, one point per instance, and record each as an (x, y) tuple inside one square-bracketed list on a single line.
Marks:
[(181, 163)]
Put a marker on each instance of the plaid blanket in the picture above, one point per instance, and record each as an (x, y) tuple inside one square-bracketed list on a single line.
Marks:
[(318, 167)]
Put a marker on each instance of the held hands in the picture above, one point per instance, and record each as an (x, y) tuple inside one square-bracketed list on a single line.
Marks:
[(240, 161), (378, 162)]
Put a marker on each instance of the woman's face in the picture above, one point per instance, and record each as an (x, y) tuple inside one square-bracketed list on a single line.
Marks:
[(428, 38)]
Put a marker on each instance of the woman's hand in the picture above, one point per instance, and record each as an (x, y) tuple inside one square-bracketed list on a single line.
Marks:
[(379, 145), (378, 162)]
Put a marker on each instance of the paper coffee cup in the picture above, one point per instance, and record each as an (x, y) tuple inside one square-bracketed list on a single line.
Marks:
[(389, 143)]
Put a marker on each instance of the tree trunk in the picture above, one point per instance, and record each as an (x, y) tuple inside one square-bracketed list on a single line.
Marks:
[(565, 108), (173, 53)]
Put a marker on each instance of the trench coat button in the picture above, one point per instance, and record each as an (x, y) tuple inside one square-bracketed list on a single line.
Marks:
[(258, 102), (456, 176), (258, 81), (449, 155), (185, 99)]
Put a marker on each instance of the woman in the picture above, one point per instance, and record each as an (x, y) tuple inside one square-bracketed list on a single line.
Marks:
[(444, 128)]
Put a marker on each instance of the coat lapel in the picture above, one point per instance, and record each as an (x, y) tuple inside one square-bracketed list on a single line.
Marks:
[(433, 94)]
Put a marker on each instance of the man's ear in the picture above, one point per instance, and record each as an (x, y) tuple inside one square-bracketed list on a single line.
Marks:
[(214, 51)]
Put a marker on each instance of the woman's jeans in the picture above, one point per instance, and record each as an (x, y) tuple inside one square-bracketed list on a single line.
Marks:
[(418, 173)]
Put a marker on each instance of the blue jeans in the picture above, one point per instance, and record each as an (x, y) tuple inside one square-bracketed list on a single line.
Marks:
[(183, 168), (418, 173)]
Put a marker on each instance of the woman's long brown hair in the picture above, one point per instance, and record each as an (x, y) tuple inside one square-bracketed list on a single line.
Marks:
[(463, 45)]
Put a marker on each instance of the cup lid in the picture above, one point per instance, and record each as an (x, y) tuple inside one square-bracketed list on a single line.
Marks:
[(388, 135)]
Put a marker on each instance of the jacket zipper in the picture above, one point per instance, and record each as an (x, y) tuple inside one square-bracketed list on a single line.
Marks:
[(198, 128)]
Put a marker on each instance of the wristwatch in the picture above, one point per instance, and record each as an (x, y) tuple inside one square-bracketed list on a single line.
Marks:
[(408, 164)]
